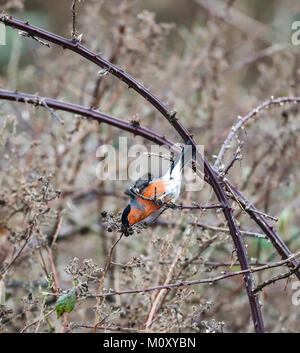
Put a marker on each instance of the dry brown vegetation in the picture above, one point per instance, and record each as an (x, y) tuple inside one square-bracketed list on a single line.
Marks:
[(59, 223)]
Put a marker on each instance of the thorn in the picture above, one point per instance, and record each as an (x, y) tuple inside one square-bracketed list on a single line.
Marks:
[(27, 23), (172, 116)]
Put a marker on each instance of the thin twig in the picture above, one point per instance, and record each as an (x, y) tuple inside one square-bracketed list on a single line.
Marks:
[(266, 215), (161, 294), (277, 242), (90, 113), (210, 174), (37, 321), (226, 230), (102, 281), (170, 115), (275, 279), (272, 49), (29, 234), (110, 328), (236, 157), (57, 230), (172, 205), (74, 32), (243, 120), (199, 281), (51, 111), (25, 34)]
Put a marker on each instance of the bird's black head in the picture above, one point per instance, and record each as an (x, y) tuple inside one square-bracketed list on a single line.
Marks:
[(125, 222)]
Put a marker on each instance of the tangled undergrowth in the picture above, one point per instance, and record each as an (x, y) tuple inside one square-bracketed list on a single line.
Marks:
[(62, 260)]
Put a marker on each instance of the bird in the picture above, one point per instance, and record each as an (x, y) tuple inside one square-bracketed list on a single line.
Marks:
[(149, 195)]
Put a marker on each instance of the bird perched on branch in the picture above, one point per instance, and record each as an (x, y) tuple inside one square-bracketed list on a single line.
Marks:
[(149, 196)]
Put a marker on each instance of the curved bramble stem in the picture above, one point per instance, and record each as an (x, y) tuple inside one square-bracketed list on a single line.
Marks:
[(211, 176), (275, 239), (243, 120), (91, 56), (170, 115), (214, 180), (86, 112), (279, 245)]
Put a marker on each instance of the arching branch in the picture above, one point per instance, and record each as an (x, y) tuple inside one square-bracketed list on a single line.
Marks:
[(211, 176), (243, 120)]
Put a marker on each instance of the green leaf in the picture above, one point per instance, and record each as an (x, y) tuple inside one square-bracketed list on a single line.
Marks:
[(66, 303)]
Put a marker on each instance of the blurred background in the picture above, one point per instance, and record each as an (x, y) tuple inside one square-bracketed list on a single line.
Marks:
[(210, 60)]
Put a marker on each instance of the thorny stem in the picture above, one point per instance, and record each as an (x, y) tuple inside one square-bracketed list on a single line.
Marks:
[(91, 56), (102, 281), (243, 120), (266, 215), (73, 108), (277, 242), (87, 112), (211, 175), (275, 279), (150, 135), (215, 182), (204, 280), (212, 178), (65, 43)]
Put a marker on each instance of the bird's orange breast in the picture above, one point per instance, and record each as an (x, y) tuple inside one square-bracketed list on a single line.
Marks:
[(155, 189)]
